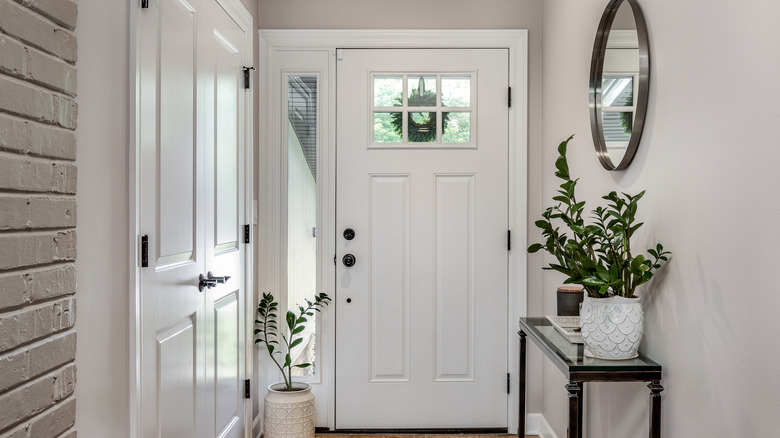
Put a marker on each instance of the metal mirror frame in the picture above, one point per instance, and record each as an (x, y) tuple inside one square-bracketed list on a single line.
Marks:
[(596, 73)]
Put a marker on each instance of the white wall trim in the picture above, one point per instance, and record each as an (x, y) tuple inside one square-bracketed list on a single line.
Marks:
[(287, 39), (623, 39), (536, 424), (133, 226), (272, 42)]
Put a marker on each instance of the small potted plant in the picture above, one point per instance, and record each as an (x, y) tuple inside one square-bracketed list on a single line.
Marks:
[(289, 406), (598, 256)]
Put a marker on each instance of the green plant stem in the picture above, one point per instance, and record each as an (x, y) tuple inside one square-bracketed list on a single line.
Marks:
[(287, 383)]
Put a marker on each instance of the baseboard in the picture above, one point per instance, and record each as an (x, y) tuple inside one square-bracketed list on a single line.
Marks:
[(536, 424)]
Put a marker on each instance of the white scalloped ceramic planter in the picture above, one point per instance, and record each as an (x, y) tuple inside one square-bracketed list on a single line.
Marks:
[(612, 327), (289, 414)]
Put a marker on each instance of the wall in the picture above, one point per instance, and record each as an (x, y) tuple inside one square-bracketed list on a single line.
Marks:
[(710, 314), (37, 218), (102, 357), (443, 14)]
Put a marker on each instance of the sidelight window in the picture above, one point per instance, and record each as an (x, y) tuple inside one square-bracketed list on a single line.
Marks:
[(301, 245)]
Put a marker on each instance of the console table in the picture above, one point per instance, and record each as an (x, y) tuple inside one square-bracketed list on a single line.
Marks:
[(578, 369)]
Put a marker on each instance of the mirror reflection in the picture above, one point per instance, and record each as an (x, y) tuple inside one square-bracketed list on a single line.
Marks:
[(618, 84)]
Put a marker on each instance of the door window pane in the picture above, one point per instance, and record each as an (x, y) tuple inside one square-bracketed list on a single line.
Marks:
[(388, 90), (422, 127), (422, 90), (456, 128), (455, 91), (411, 109), (386, 127)]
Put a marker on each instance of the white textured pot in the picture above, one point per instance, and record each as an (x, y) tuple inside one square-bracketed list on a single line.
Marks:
[(612, 327), (289, 414)]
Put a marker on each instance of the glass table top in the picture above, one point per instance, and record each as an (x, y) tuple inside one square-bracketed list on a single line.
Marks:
[(572, 356)]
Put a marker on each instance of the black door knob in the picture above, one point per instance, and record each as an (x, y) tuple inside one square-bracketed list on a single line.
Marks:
[(348, 260), (349, 234), (349, 300)]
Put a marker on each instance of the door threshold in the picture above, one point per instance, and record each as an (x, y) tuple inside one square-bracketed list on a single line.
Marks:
[(458, 431)]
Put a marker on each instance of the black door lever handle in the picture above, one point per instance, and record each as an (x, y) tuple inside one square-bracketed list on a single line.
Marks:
[(209, 281)]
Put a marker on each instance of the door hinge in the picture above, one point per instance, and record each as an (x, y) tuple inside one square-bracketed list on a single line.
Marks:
[(247, 388), (246, 233), (509, 96), (246, 77), (144, 4), (334, 259), (509, 240), (145, 251), (508, 383)]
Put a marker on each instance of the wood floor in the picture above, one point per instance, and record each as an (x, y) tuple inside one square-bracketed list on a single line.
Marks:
[(495, 435)]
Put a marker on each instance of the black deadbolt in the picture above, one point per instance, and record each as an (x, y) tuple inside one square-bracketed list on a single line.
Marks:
[(348, 260), (349, 234), (349, 300)]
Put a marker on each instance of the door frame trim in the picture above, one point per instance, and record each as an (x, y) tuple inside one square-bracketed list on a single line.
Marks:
[(244, 19), (272, 42)]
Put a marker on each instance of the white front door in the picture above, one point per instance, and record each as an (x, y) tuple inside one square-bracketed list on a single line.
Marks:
[(191, 135), (422, 181)]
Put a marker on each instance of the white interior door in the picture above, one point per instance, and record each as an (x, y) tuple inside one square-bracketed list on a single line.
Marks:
[(224, 203), (191, 129), (422, 179)]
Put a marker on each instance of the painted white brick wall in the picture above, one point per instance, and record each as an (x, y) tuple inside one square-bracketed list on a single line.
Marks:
[(38, 177)]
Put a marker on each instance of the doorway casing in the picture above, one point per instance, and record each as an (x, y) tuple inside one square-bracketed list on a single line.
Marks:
[(275, 49)]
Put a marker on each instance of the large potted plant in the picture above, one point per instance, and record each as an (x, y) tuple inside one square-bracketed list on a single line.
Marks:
[(598, 255), (289, 406)]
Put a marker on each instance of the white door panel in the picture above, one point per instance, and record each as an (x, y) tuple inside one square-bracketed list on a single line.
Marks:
[(225, 303), (172, 309), (423, 341), (191, 201)]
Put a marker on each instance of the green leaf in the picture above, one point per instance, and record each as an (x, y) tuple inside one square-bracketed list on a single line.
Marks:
[(592, 281), (298, 329), (602, 273), (296, 342), (563, 145), (543, 224), (535, 247), (302, 365), (290, 319), (563, 166)]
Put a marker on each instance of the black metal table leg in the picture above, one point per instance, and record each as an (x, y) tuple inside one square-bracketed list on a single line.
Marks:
[(574, 409), (521, 390), (655, 408)]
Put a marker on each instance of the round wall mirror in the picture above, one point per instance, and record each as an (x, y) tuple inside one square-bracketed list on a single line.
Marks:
[(619, 77)]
